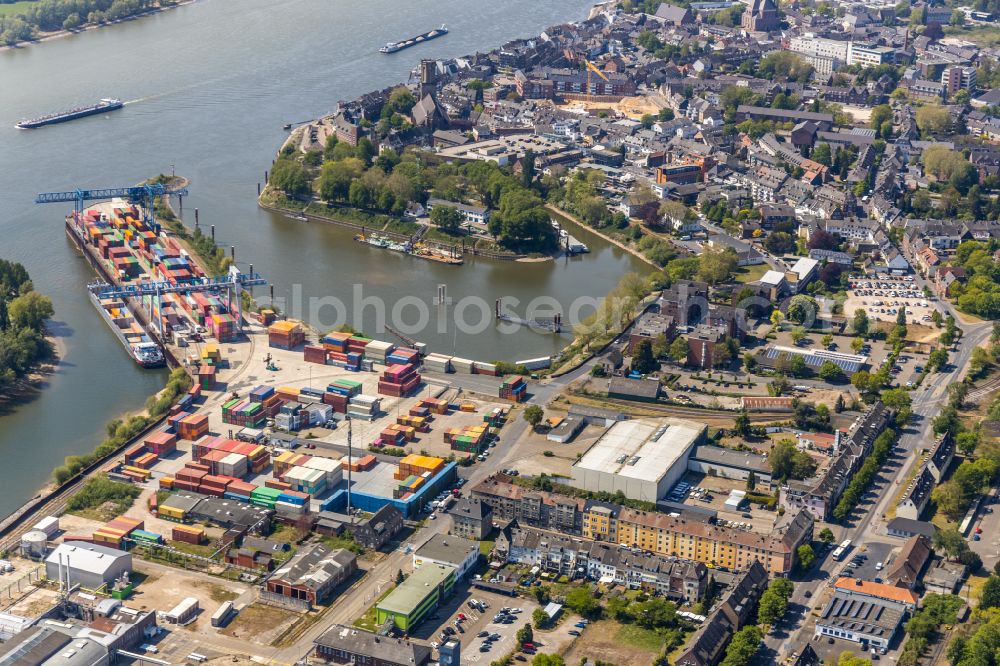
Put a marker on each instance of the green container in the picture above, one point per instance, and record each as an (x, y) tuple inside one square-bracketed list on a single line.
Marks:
[(269, 494)]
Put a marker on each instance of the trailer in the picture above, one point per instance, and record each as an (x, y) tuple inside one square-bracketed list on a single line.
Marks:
[(222, 614)]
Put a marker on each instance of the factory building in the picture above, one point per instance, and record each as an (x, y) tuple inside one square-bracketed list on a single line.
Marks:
[(642, 458), (88, 565)]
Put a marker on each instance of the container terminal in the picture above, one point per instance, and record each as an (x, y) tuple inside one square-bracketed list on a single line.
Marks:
[(107, 104), (392, 47)]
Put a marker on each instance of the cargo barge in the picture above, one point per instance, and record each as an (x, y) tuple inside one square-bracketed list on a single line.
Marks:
[(107, 104), (419, 250), (392, 47), (143, 350)]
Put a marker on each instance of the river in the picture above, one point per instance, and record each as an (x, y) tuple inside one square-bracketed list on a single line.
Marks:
[(209, 86)]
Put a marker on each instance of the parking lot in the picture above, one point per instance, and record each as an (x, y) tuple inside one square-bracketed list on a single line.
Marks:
[(883, 298), (476, 621)]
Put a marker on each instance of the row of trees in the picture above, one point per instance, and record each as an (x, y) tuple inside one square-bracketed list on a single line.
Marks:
[(52, 15), (980, 295), (23, 313)]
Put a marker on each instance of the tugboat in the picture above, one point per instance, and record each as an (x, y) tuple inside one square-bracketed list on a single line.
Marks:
[(108, 104)]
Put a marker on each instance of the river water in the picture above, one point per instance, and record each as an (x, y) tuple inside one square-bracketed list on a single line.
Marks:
[(209, 86)]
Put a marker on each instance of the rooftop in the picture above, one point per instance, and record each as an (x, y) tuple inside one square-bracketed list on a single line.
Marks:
[(411, 592), (643, 449), (877, 590), (87, 556), (443, 548)]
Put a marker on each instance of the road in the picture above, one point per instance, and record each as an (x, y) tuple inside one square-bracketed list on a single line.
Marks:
[(869, 527)]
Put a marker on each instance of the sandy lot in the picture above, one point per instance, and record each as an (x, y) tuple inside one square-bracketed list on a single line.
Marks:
[(164, 588)]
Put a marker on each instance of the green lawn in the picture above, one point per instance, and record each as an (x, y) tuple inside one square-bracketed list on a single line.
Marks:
[(16, 7), (981, 35), (644, 639), (750, 273)]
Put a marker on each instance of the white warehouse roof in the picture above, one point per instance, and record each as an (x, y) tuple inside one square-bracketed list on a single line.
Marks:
[(88, 557)]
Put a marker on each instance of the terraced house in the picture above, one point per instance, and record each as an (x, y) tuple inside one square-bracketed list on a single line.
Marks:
[(684, 537)]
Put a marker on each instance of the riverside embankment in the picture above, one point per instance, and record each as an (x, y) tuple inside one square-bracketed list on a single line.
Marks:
[(203, 98)]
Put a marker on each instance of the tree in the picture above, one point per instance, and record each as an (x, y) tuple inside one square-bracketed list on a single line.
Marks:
[(798, 334), (581, 600), (289, 176), (838, 405), (533, 414), (802, 309), (743, 646), (797, 366), (990, 597), (933, 118), (525, 634), (539, 618), (678, 351), (826, 535), (949, 540), (543, 659), (826, 340), (642, 358), (860, 322), (806, 556), (788, 462), (899, 400), (830, 372), (779, 242), (742, 423), (857, 344), (717, 266), (774, 601), (446, 218)]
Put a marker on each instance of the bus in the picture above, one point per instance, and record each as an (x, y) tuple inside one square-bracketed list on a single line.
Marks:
[(841, 550)]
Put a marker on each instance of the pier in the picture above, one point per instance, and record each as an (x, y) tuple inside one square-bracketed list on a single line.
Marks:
[(553, 325)]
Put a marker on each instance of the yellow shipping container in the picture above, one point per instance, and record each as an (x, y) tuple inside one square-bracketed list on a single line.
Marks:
[(171, 512)]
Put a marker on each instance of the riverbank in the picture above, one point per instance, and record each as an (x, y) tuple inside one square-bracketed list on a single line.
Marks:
[(570, 218), (59, 34), (30, 387)]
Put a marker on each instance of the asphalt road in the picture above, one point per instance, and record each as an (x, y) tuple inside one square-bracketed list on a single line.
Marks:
[(869, 526)]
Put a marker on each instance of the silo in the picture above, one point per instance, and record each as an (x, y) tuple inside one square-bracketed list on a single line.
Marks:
[(34, 544)]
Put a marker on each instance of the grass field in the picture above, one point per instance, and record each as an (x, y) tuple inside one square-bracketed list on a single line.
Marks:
[(622, 644), (15, 7), (750, 273), (982, 35)]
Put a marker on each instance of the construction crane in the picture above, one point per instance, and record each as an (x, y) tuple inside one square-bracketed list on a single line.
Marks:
[(592, 68), (138, 194)]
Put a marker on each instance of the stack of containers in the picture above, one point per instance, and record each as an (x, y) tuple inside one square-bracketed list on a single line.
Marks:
[(245, 413), (392, 437), (134, 452), (417, 422), (362, 464), (462, 365), (377, 351), (469, 439), (277, 484), (192, 426), (213, 459), (235, 465), (189, 534), (406, 487), (210, 354), (285, 335), (403, 356), (435, 405), (314, 354), (202, 447), (265, 497), (357, 344), (305, 480), (213, 485), (414, 464), (364, 407), (438, 363), (206, 377), (135, 473), (287, 460), (496, 417), (161, 443), (239, 490), (423, 412), (409, 432), (268, 398), (309, 395), (266, 317), (146, 460), (189, 479), (288, 393), (335, 341), (291, 504), (398, 380), (332, 470), (142, 536), (514, 388), (112, 533), (166, 483), (223, 327)]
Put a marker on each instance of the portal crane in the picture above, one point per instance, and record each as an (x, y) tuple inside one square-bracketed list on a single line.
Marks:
[(591, 67), (138, 194)]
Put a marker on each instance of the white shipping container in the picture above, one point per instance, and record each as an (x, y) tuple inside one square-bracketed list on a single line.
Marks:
[(49, 525), (183, 612)]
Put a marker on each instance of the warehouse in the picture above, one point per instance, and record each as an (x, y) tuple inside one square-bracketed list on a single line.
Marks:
[(730, 464), (311, 576), (88, 565), (642, 458), (417, 596)]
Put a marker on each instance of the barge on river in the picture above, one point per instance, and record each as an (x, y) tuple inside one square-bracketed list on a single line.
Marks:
[(107, 104), (392, 47)]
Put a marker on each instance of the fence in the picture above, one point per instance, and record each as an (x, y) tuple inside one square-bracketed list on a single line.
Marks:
[(281, 601)]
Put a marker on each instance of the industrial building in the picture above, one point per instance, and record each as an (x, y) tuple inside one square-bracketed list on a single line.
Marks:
[(642, 458), (350, 645), (417, 596), (450, 551), (313, 574), (86, 564)]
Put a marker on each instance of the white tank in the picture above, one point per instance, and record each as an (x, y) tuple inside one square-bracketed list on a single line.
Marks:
[(34, 544)]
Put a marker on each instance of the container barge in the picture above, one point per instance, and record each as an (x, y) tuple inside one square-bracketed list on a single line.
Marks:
[(392, 47), (107, 104), (120, 246), (129, 332)]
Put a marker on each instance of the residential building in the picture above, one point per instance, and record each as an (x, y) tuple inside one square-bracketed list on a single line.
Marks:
[(477, 215), (349, 645), (456, 552), (906, 528), (735, 610), (909, 564), (471, 519), (917, 495)]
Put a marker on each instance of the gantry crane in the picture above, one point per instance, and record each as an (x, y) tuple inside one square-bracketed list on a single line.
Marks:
[(591, 67), (138, 194)]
